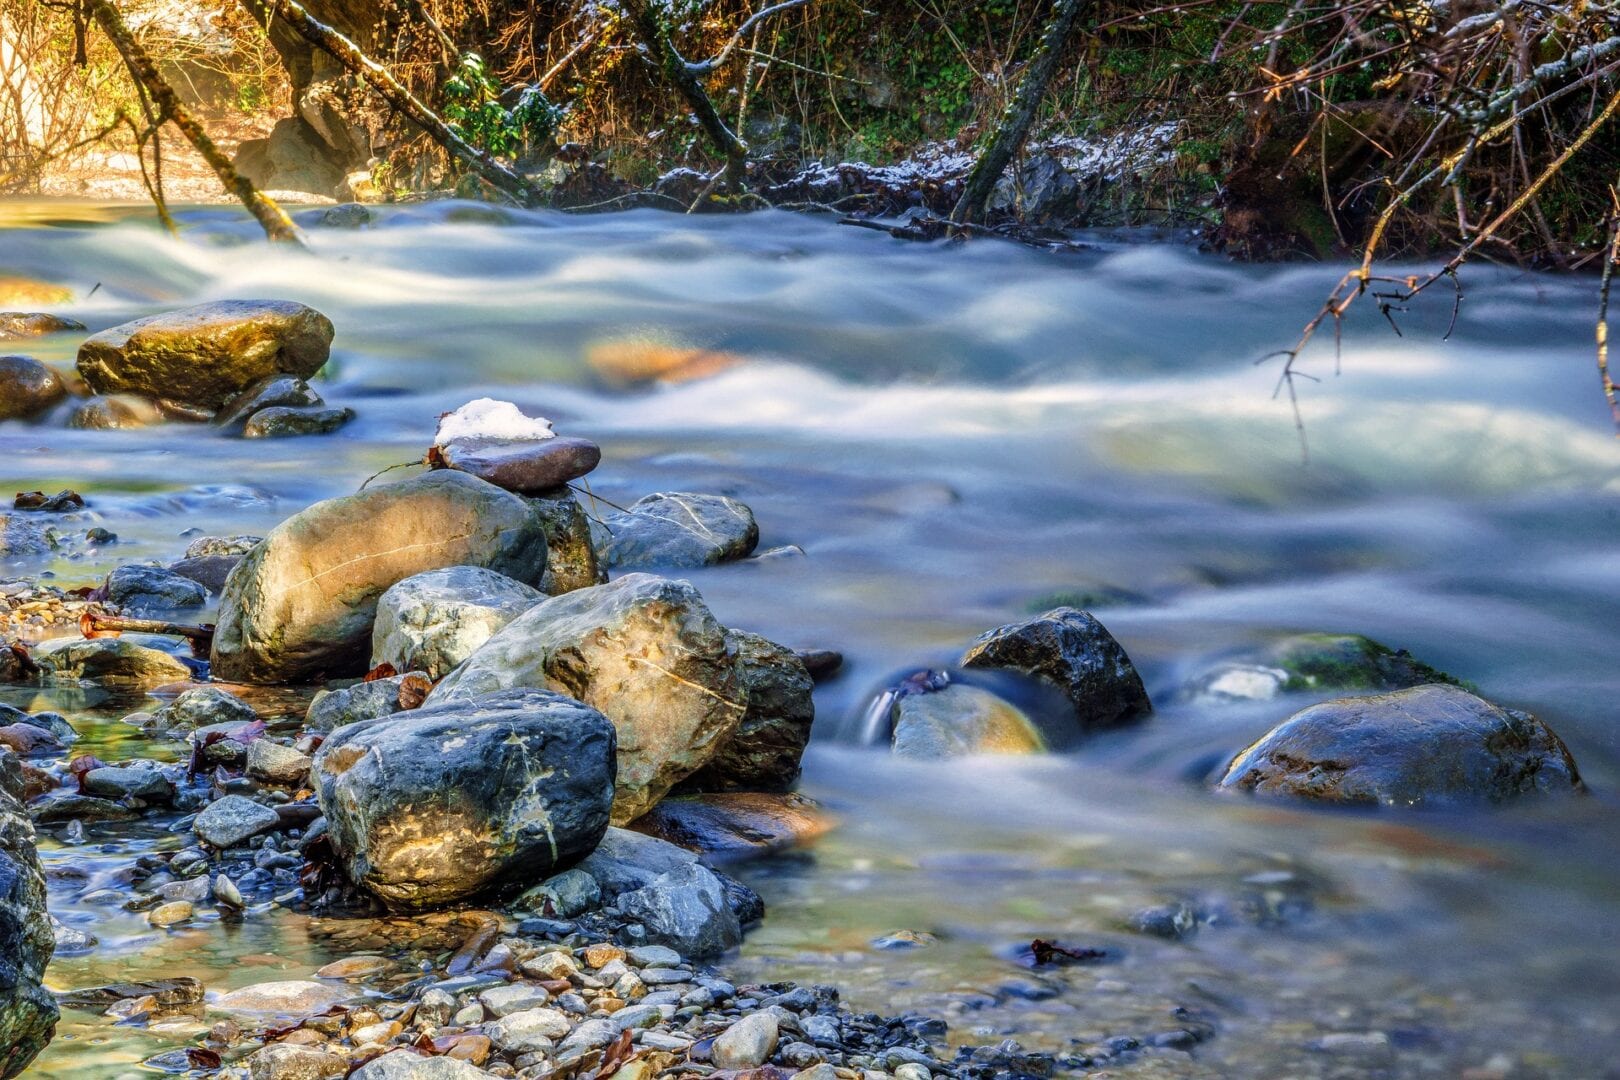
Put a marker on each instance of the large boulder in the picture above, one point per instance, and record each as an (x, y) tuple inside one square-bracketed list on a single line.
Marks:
[(763, 753), (303, 601), (330, 709), (680, 530), (449, 801), (1072, 651), (644, 650), (960, 720), (208, 354), (571, 561), (1429, 745), (27, 1010), (27, 387), (433, 621)]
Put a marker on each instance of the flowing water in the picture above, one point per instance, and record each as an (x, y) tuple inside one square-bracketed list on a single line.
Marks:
[(955, 437)]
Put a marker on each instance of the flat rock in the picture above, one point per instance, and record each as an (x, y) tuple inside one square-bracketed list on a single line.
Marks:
[(209, 353), (290, 998), (116, 782), (679, 530), (233, 820), (433, 621), (141, 589), (447, 801), (289, 1061), (20, 324), (303, 601), (202, 706), (27, 388), (528, 466), (532, 1029), (1071, 650), (113, 661), (1430, 745), (404, 1065), (643, 650)]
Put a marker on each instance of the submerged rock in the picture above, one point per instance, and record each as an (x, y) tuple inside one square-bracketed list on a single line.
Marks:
[(303, 601), (289, 998), (280, 422), (108, 412), (201, 707), (27, 387), (960, 720), (679, 530), (1074, 652), (1304, 663), (208, 354), (433, 621), (1429, 745), (272, 391), (763, 753), (111, 661), (644, 650), (449, 801), (737, 824), (16, 324), (27, 1010), (140, 589), (571, 561)]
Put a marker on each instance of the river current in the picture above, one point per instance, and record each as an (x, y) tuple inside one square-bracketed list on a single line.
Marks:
[(956, 437)]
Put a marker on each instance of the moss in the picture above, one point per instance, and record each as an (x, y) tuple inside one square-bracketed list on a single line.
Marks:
[(1350, 662)]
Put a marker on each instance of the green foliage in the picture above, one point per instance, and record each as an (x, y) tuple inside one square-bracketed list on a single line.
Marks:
[(473, 107)]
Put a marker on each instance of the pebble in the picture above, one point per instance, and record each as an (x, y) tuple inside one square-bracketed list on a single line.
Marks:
[(234, 819), (175, 911), (747, 1044)]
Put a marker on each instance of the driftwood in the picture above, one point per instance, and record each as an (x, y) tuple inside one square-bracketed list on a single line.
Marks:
[(1020, 117), (275, 222), (394, 92), (95, 624)]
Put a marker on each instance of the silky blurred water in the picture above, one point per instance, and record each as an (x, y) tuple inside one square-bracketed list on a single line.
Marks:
[(953, 435)]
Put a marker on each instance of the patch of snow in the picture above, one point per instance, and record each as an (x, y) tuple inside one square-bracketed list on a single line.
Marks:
[(1125, 153), (487, 418)]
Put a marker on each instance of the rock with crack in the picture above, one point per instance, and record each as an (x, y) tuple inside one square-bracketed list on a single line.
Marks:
[(644, 650), (447, 802), (303, 601), (679, 530)]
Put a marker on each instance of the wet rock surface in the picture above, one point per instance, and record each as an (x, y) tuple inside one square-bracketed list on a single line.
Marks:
[(679, 530), (451, 800), (1431, 745), (528, 467), (763, 754), (282, 422), (571, 561), (112, 661), (27, 388), (1074, 652), (433, 621), (208, 354), (106, 412), (960, 720), (736, 825), (146, 589), (27, 1011), (644, 650), (303, 601)]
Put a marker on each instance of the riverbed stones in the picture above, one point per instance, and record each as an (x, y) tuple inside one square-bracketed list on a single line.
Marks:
[(289, 1061), (233, 820), (27, 388), (146, 589), (571, 561), (433, 621), (1305, 663), (763, 753), (207, 354), (27, 1010), (282, 422), (290, 998), (122, 782), (112, 661), (679, 530), (1430, 745), (405, 1065), (1071, 650), (273, 391), (644, 650), (277, 764), (451, 800), (116, 412), (958, 721), (303, 601)]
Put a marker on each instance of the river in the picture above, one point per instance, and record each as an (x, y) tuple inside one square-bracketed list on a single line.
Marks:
[(955, 437)]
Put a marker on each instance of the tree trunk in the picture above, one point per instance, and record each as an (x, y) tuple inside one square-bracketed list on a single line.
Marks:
[(1020, 116), (275, 222), (654, 34), (378, 78)]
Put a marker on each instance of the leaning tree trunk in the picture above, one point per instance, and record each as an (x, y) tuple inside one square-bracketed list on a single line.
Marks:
[(654, 34), (275, 222), (348, 54), (1020, 116)]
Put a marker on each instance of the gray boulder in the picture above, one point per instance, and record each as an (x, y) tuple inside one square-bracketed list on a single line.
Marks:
[(763, 753), (1069, 649), (961, 720), (686, 909), (208, 354), (679, 530), (27, 1010), (433, 621), (209, 571), (625, 860), (27, 387), (645, 651), (332, 709), (303, 601), (1430, 745), (448, 802), (19, 537), (153, 589), (233, 820), (201, 707)]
